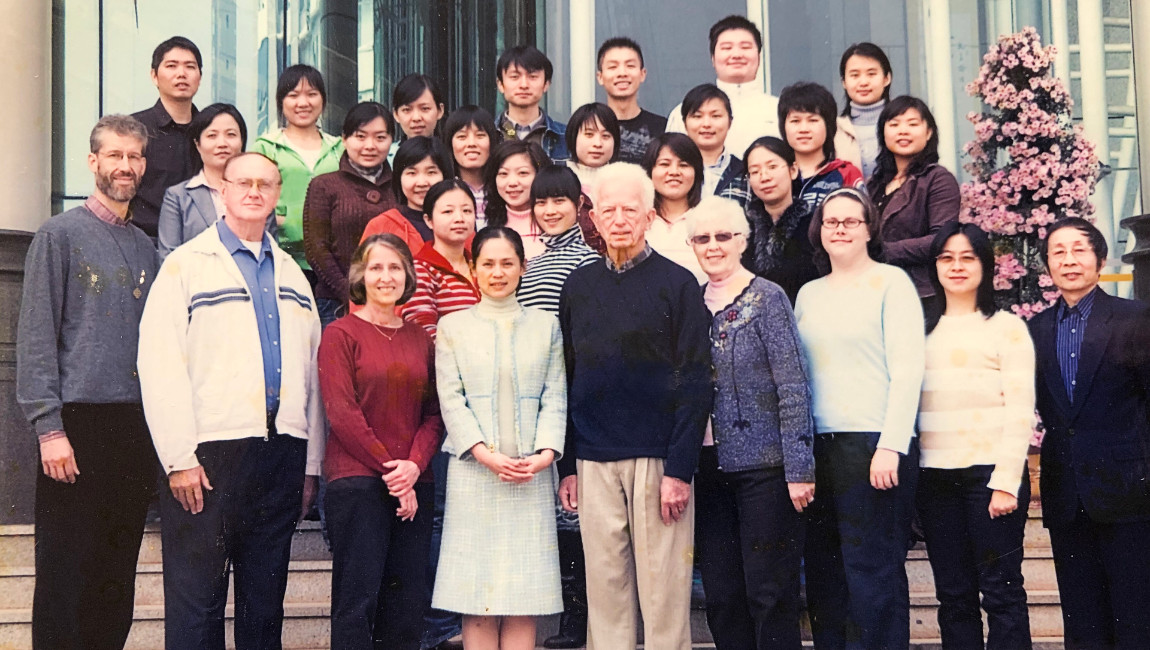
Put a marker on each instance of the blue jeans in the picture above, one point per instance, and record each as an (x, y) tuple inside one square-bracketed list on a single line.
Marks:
[(439, 625), (329, 310), (855, 556)]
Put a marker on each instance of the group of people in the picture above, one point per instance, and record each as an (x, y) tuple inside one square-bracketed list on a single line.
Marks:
[(546, 368)]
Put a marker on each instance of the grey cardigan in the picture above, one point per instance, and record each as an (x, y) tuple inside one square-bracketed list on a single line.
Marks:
[(762, 414), (186, 213)]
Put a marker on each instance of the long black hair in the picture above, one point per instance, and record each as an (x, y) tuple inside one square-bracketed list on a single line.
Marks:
[(885, 167), (496, 211), (685, 149), (984, 299)]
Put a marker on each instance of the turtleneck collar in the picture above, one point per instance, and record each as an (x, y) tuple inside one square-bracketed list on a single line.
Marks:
[(866, 115), (369, 174), (753, 86), (565, 238), (498, 307), (721, 293)]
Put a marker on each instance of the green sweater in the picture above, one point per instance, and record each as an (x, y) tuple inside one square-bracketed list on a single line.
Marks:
[(296, 176)]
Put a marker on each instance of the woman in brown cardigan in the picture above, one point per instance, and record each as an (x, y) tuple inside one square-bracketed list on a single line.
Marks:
[(339, 204), (913, 193)]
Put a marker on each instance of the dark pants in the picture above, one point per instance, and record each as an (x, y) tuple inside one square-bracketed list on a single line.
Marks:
[(330, 310), (246, 526), (439, 625), (379, 587), (856, 546), (971, 553), (1103, 575), (88, 532), (749, 541)]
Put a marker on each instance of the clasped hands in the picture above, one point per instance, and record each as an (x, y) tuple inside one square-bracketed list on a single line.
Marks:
[(512, 470)]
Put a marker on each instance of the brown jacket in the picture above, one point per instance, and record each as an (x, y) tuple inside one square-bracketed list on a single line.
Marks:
[(914, 213)]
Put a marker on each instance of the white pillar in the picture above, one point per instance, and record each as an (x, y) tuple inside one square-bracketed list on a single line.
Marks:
[(940, 81), (26, 77), (1095, 114), (1140, 35), (759, 13), (583, 48), (1060, 36)]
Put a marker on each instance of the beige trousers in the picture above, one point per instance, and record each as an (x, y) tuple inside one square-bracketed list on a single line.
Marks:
[(636, 564)]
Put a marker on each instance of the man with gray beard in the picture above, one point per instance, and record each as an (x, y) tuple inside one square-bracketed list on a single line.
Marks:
[(86, 277)]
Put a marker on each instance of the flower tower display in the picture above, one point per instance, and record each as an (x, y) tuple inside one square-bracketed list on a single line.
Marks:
[(1029, 166)]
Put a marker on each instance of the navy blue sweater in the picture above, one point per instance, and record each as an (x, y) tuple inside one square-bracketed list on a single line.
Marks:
[(638, 363)]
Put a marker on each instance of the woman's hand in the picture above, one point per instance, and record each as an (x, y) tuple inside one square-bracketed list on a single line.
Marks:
[(540, 461), (1002, 503), (801, 494), (508, 469), (408, 506), (401, 478), (884, 469)]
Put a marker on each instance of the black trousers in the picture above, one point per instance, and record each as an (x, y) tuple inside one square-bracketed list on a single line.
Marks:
[(749, 540), (1103, 575), (379, 586), (88, 533), (856, 546), (971, 553), (246, 526)]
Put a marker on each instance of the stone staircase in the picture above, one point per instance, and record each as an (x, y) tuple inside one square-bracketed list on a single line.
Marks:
[(307, 605)]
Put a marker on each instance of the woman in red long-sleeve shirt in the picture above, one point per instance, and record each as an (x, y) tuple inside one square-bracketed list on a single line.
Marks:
[(377, 376)]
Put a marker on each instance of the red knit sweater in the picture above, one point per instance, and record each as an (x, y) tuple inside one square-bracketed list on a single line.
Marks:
[(380, 398), (337, 208)]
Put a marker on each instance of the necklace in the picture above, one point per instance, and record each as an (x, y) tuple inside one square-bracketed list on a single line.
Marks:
[(137, 291), (394, 330)]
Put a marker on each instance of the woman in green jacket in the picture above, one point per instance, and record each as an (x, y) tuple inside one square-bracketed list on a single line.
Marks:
[(301, 150)]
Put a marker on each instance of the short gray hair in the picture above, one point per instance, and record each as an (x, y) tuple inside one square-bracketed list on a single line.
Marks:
[(716, 208), (124, 125), (627, 173)]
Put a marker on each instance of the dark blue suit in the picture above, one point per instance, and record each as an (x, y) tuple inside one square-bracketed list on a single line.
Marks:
[(1095, 478)]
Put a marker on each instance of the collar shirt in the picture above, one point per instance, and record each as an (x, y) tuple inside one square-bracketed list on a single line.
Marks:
[(259, 275), (521, 131), (199, 180), (712, 174), (754, 114), (631, 263), (104, 214), (1068, 342), (169, 163)]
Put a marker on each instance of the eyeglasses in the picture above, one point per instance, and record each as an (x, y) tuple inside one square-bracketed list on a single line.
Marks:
[(850, 223), (117, 156), (261, 185), (721, 237)]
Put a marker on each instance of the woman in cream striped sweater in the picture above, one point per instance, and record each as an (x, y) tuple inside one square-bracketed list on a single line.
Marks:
[(975, 420)]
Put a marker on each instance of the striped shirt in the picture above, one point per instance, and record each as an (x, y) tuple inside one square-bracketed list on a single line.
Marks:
[(439, 290), (543, 281), (1071, 330)]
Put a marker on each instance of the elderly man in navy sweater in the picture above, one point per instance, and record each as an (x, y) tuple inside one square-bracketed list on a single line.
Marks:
[(635, 332)]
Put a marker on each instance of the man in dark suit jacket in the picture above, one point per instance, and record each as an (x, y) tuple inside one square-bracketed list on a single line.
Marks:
[(1094, 398)]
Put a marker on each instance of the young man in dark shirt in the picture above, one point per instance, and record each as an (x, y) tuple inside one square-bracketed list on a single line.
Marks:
[(176, 69), (621, 71), (524, 76)]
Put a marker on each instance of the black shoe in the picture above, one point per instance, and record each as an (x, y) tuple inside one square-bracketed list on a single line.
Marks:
[(572, 631)]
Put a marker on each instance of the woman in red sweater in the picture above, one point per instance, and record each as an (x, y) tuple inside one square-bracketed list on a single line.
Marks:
[(443, 266), (377, 377)]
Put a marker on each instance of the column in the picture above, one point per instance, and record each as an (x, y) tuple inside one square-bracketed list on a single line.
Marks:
[(940, 80), (1140, 35), (1095, 113), (583, 50)]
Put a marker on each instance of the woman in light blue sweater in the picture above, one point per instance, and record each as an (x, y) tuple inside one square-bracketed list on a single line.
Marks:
[(861, 329)]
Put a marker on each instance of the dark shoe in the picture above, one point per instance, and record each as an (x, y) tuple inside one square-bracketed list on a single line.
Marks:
[(572, 631)]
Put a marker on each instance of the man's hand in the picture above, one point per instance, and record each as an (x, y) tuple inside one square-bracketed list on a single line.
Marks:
[(188, 487), (58, 460), (884, 469), (569, 493), (1002, 503), (401, 478), (674, 494), (408, 506), (310, 490), (802, 494)]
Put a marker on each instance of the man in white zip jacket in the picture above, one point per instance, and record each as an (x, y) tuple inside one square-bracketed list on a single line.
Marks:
[(227, 364), (736, 51)]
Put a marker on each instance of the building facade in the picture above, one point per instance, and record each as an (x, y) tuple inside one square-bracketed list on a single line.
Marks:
[(70, 61)]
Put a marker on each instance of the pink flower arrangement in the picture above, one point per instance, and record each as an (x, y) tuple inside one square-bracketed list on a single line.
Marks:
[(1030, 165)]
